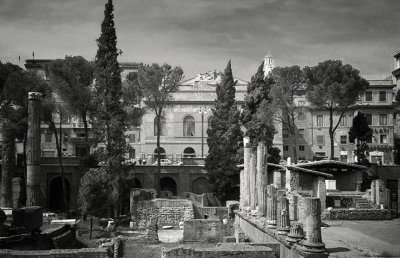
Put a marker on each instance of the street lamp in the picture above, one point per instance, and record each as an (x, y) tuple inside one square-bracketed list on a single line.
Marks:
[(202, 111)]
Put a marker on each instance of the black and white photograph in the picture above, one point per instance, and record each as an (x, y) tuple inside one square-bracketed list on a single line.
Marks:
[(199, 128)]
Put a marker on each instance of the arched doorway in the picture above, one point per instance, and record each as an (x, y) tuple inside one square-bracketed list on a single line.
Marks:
[(126, 193), (162, 154), (56, 194), (189, 152), (168, 184), (200, 185)]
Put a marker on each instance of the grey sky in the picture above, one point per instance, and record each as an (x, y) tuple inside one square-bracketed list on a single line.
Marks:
[(200, 35)]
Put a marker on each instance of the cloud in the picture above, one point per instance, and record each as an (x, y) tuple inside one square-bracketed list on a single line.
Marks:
[(204, 34)]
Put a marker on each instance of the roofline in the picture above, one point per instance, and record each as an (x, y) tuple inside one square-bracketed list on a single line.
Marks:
[(397, 54)]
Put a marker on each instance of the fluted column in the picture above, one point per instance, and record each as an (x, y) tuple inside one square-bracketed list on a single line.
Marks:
[(296, 233), (271, 206), (312, 213), (246, 172), (33, 155), (282, 216), (261, 178)]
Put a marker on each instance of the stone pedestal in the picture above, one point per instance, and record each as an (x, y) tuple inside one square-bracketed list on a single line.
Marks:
[(271, 206), (33, 151), (312, 213), (296, 233), (282, 216)]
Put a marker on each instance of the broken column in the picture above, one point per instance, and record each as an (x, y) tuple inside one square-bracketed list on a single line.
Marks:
[(312, 213), (282, 216), (379, 188), (246, 172), (271, 206), (262, 174), (398, 195), (33, 155)]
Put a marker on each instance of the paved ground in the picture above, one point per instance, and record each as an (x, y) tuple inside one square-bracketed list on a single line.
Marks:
[(362, 238)]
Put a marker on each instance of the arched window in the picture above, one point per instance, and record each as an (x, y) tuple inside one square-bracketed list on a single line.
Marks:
[(188, 126), (162, 153), (189, 152), (163, 126)]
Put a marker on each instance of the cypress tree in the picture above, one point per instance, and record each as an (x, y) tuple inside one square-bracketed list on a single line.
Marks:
[(255, 116), (224, 139), (109, 117)]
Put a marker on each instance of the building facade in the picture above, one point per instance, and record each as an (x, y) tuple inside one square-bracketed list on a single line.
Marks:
[(312, 127)]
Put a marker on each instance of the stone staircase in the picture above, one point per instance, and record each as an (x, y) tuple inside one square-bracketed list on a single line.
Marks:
[(362, 203)]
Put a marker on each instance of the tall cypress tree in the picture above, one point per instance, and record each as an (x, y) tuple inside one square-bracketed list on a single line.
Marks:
[(110, 118), (255, 116), (224, 139)]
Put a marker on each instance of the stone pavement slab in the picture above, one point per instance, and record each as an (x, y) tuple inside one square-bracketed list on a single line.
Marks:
[(362, 239)]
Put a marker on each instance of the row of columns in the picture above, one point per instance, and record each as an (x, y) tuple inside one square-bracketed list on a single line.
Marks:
[(257, 197)]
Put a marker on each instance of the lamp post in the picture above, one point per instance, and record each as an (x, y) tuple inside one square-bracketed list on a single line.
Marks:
[(202, 111)]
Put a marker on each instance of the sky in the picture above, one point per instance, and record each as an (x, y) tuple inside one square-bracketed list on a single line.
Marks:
[(202, 35)]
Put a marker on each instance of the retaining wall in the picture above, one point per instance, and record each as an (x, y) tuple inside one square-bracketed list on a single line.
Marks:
[(358, 214), (59, 253)]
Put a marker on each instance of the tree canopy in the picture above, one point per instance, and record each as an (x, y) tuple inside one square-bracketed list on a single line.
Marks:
[(257, 115), (360, 133), (225, 139), (288, 82), (155, 85), (334, 87)]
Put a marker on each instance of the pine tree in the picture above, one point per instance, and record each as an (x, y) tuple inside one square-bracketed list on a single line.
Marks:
[(224, 139), (255, 117), (110, 118)]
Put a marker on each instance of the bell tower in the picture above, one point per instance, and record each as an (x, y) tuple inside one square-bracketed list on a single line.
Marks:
[(268, 64)]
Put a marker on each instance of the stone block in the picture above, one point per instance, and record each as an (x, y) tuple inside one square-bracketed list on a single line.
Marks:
[(29, 217), (229, 239)]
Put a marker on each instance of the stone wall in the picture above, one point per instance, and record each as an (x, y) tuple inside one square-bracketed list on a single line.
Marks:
[(358, 214), (206, 230), (59, 253), (227, 250), (211, 212), (168, 212)]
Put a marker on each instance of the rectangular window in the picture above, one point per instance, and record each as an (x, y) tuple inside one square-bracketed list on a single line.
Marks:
[(320, 120), (285, 148), (368, 96), (320, 140), (343, 139), (48, 137), (369, 118), (383, 119), (131, 137), (301, 132), (285, 133), (343, 121), (383, 138), (382, 96), (301, 147)]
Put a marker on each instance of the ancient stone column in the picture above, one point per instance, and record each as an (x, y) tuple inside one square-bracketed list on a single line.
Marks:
[(293, 204), (398, 195), (253, 175), (277, 178), (242, 190), (379, 185), (282, 216), (271, 206), (246, 172), (321, 191), (296, 233), (312, 213), (373, 192), (33, 158), (261, 178)]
